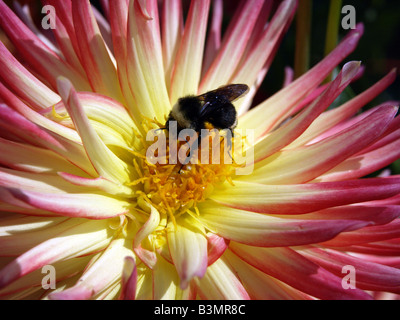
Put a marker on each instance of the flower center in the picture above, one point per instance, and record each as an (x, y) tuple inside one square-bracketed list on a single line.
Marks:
[(174, 188)]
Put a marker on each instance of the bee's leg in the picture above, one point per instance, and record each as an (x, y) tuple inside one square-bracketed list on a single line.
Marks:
[(229, 142), (188, 157)]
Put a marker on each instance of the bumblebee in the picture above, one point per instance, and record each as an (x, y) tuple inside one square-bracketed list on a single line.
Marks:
[(214, 107)]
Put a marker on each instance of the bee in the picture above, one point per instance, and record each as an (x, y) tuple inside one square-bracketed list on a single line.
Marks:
[(213, 107)]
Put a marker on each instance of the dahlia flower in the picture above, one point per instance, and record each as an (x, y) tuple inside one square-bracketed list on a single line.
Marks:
[(80, 198)]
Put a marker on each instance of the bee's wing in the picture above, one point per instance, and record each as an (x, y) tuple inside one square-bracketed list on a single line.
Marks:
[(230, 92)]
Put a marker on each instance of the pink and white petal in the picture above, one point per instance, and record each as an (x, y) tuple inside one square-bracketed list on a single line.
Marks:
[(188, 247), (369, 275), (367, 235), (375, 214), (307, 163), (304, 198), (335, 116), (260, 56), (96, 58), (149, 258), (172, 30), (82, 239), (99, 183), (64, 41), (296, 126), (29, 158), (214, 35), (295, 270), (265, 116), (23, 83), (118, 11), (18, 235), (99, 109), (31, 115), (228, 56), (100, 275), (65, 270), (79, 205), (44, 182), (188, 62), (104, 28), (65, 16), (216, 247), (100, 156), (362, 165), (267, 231), (220, 283), (165, 281), (261, 286), (144, 60), (36, 53), (9, 203), (129, 280)]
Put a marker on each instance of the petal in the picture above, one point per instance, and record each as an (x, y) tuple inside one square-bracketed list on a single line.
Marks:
[(129, 280), (292, 129), (96, 59), (362, 165), (100, 183), (118, 12), (64, 270), (107, 164), (216, 247), (270, 113), (187, 69), (188, 247), (165, 281), (100, 275), (148, 257), (214, 35), (232, 48), (220, 283), (308, 162), (267, 231), (369, 275), (91, 206), (261, 286), (23, 83), (367, 235), (333, 117), (84, 238), (29, 158), (260, 56), (172, 30), (34, 51), (292, 268), (144, 60), (304, 198)]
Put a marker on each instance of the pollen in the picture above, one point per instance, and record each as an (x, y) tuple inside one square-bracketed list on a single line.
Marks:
[(174, 188)]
